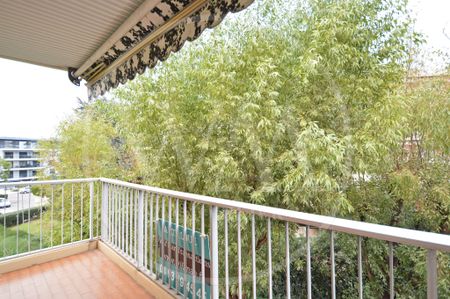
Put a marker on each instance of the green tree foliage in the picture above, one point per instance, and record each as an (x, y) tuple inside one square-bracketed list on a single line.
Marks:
[(88, 145), (4, 169), (277, 114)]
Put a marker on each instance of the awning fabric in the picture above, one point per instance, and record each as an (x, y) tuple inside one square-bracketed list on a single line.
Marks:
[(163, 30)]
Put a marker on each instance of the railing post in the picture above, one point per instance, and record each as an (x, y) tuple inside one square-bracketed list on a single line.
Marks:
[(432, 274), (91, 210), (104, 215), (140, 230), (214, 254)]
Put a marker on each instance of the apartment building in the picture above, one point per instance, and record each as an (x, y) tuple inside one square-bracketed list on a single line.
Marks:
[(23, 155)]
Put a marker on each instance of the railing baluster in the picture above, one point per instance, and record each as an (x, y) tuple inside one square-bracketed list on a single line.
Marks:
[(17, 222), (360, 271), (62, 214), (51, 219), (28, 220), (185, 290), (23, 215), (71, 217), (203, 249), (177, 203), (140, 230), (156, 229), (288, 263), (151, 234), (214, 230), (124, 218), (119, 217), (269, 255), (333, 267), (131, 222), (193, 254), (109, 212), (136, 212), (81, 212), (239, 255), (116, 216), (432, 283), (40, 219), (98, 214), (227, 279), (113, 215), (163, 203), (145, 230), (254, 256), (4, 225), (391, 270), (127, 221), (169, 241), (104, 213), (308, 263), (91, 210)]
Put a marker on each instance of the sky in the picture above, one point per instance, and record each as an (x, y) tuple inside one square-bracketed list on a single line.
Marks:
[(34, 99)]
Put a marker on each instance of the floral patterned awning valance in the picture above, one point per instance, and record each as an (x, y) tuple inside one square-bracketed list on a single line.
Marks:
[(163, 30)]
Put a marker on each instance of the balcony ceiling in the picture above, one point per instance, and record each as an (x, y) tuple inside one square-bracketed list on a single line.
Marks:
[(59, 34), (104, 42)]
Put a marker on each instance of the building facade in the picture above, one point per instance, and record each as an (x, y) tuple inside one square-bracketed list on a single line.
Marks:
[(23, 155)]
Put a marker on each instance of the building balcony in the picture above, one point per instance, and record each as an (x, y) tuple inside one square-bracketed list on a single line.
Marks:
[(19, 179), (22, 149), (26, 168), (98, 238), (23, 159)]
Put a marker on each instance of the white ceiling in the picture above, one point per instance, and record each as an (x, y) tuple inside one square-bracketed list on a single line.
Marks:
[(59, 33)]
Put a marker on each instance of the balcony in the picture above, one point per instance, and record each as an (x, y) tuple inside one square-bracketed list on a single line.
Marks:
[(144, 239)]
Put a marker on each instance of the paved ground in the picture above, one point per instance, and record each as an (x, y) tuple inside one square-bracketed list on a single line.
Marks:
[(22, 201), (86, 275)]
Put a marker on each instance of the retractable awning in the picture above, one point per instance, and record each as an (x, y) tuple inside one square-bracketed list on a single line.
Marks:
[(105, 42)]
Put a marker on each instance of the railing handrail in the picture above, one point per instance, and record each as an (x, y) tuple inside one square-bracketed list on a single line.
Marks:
[(423, 239), (49, 182)]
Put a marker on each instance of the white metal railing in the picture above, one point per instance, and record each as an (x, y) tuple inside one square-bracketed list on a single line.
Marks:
[(40, 215), (161, 231)]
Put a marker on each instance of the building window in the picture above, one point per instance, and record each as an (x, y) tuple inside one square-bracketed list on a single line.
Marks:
[(11, 144), (23, 173), (24, 155), (9, 155), (11, 174)]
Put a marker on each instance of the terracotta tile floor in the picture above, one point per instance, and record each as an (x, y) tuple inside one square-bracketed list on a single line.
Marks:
[(86, 275)]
